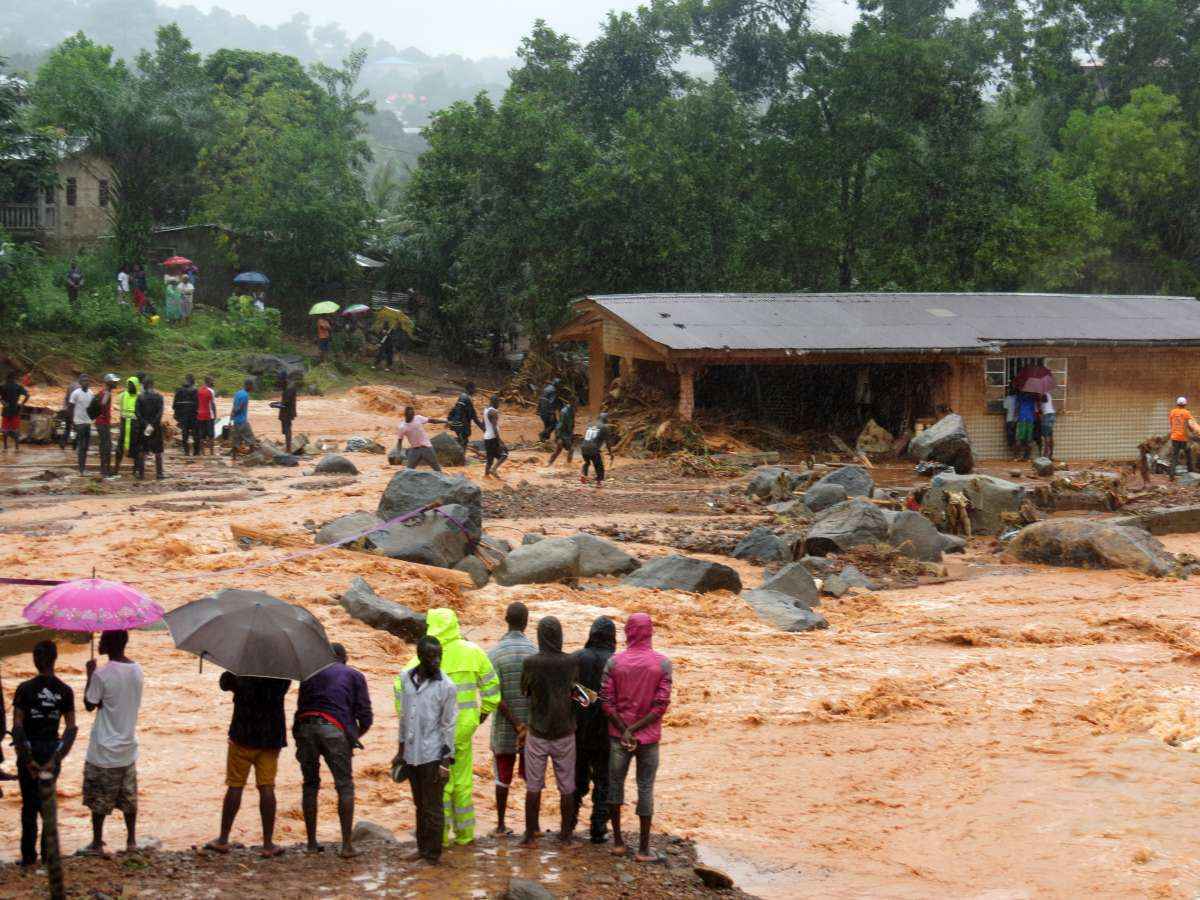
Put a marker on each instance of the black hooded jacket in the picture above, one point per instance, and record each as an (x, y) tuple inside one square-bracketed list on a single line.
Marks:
[(591, 729), (547, 679)]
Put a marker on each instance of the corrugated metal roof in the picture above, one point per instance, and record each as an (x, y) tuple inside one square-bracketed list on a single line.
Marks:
[(857, 322)]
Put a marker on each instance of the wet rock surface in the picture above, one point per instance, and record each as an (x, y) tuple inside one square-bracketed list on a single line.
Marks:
[(945, 442), (1090, 544), (413, 488), (685, 573), (361, 602), (846, 525), (989, 499)]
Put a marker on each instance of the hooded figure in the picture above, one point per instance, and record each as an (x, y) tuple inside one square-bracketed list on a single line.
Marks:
[(634, 694), (591, 732), (478, 689), (127, 445)]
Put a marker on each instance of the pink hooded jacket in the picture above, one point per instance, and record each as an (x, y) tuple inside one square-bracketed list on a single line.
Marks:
[(637, 681)]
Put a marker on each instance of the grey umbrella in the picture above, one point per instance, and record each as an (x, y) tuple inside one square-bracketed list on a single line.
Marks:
[(252, 633)]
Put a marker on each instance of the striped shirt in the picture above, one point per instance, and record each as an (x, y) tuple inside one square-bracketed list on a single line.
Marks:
[(508, 658)]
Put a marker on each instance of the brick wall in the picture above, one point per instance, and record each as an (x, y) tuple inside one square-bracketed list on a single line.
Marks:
[(1116, 399)]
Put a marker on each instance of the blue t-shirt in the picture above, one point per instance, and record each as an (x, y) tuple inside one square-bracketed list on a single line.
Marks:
[(241, 407), (1027, 405)]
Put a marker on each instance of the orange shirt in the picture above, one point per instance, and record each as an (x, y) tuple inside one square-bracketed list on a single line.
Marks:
[(323, 329), (1180, 416)]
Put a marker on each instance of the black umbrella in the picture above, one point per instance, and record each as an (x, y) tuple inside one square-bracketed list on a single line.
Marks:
[(252, 279), (252, 633)]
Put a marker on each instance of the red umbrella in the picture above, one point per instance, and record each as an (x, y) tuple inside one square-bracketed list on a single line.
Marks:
[(177, 262), (1034, 380)]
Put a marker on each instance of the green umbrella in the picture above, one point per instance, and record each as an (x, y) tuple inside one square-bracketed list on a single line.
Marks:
[(324, 308)]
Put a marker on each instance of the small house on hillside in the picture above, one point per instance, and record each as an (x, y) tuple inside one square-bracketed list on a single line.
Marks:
[(71, 216), (833, 361)]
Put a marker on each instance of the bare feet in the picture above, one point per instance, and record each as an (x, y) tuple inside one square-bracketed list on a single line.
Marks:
[(314, 848), (618, 850), (270, 851), (529, 842), (646, 857), (502, 830), (349, 851)]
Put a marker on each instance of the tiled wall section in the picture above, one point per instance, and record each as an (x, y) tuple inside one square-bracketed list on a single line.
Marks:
[(1116, 399)]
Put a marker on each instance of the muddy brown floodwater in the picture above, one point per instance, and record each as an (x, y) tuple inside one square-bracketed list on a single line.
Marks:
[(1016, 732)]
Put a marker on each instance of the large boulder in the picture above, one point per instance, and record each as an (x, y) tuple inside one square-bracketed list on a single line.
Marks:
[(413, 488), (600, 557), (473, 566), (782, 611), (448, 450), (946, 442), (1090, 544), (914, 536), (856, 481), (1043, 466), (817, 565), (953, 543), (368, 607), (989, 498), (550, 560), (345, 527), (821, 496), (770, 484), (849, 524), (795, 581), (271, 368), (431, 539), (685, 573), (1168, 520), (333, 464), (850, 577), (874, 438), (762, 545)]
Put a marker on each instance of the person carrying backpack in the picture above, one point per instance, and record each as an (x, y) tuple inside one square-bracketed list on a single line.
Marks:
[(598, 436)]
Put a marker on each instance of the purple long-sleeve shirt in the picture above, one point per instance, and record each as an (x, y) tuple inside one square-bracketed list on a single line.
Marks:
[(341, 692), (637, 681)]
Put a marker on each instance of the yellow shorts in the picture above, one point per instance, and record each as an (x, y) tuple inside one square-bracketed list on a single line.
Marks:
[(239, 761)]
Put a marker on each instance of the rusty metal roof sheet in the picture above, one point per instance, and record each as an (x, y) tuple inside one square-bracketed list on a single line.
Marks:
[(890, 322)]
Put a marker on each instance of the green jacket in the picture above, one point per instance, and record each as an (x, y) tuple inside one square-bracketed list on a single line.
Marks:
[(467, 666), (129, 398)]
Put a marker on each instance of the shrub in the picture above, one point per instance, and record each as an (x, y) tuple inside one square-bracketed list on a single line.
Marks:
[(246, 326)]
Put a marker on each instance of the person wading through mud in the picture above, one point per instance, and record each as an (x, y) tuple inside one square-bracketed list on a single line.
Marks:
[(13, 396), (206, 415), (128, 437), (591, 727), (428, 704), (104, 422), (39, 705), (420, 447), (548, 406), (148, 413), (1183, 424), (68, 420), (463, 415), (79, 404), (564, 434), (510, 726), (110, 767), (332, 714), (598, 436), (287, 410), (634, 694), (478, 692), (239, 419), (257, 734), (548, 680), (185, 406), (494, 451)]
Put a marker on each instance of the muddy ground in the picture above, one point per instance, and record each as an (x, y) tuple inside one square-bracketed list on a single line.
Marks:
[(1013, 732)]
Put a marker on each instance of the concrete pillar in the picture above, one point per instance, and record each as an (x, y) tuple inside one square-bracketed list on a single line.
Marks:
[(597, 383), (687, 392)]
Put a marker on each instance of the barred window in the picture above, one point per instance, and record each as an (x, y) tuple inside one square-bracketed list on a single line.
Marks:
[(72, 188), (999, 372)]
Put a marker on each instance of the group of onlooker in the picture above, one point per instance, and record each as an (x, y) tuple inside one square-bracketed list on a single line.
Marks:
[(589, 715)]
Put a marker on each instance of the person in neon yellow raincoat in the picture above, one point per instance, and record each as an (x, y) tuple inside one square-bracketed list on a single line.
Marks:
[(478, 687), (125, 443)]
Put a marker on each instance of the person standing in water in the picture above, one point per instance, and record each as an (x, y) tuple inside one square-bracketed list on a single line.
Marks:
[(12, 396), (287, 410), (420, 447), (148, 413)]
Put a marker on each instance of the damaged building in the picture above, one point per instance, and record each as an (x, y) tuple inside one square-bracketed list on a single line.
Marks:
[(837, 361)]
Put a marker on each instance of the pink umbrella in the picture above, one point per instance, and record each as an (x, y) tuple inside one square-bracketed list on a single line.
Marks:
[(92, 604)]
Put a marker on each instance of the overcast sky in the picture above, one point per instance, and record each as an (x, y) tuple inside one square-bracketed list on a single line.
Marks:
[(471, 27)]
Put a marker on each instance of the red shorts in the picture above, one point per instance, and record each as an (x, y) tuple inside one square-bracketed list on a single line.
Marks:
[(505, 762), (10, 423)]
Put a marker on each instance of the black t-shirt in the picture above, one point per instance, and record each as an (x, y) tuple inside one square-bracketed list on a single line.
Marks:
[(547, 679), (258, 721), (43, 700), (10, 398)]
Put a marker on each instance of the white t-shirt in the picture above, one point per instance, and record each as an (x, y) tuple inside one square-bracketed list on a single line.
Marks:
[(187, 289), (123, 282), (1010, 407), (1048, 406), (80, 400), (415, 432), (118, 686), (489, 427)]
